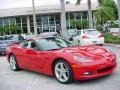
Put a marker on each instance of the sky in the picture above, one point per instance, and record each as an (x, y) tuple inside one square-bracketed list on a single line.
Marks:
[(4, 4)]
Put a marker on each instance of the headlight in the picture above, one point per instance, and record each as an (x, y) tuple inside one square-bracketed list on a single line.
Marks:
[(82, 59)]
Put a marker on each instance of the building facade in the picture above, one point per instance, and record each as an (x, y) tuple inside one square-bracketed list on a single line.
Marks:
[(48, 18)]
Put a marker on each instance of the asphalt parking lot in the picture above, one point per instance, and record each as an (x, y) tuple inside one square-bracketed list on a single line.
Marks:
[(27, 80)]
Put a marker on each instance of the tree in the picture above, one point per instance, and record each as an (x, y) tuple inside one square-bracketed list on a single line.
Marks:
[(79, 24), (105, 12), (89, 12), (13, 29)]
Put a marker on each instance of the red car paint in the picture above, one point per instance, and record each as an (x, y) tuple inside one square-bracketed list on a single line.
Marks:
[(104, 62)]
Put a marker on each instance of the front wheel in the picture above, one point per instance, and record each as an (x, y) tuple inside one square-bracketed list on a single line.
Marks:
[(13, 63), (63, 72)]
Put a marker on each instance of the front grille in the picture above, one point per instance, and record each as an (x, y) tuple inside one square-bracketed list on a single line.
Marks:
[(105, 69)]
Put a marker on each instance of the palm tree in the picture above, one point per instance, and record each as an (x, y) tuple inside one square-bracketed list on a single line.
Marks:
[(63, 20), (105, 12), (89, 12)]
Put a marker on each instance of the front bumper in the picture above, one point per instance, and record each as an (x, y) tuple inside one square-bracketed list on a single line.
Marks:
[(93, 71), (92, 41)]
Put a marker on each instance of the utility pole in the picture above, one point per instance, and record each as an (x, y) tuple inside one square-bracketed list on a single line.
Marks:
[(34, 18)]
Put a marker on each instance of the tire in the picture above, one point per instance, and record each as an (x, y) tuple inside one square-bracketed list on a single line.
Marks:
[(63, 72), (13, 63)]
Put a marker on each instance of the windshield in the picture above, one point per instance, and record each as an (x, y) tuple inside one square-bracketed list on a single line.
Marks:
[(53, 43), (91, 32), (72, 31)]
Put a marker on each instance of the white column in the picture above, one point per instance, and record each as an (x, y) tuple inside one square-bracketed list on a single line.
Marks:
[(34, 18), (21, 24), (28, 24), (119, 12), (55, 23), (90, 14), (63, 20)]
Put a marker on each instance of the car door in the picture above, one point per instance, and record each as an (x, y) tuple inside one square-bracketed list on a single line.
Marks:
[(23, 54), (34, 57)]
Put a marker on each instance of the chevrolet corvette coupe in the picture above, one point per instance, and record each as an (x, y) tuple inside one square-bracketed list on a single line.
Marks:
[(57, 57)]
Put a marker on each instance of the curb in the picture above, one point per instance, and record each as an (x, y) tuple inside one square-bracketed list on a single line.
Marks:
[(113, 45)]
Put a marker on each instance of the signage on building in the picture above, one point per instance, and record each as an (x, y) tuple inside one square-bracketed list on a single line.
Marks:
[(45, 10)]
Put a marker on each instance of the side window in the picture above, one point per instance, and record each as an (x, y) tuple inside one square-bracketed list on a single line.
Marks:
[(31, 44), (34, 45), (80, 33), (27, 44)]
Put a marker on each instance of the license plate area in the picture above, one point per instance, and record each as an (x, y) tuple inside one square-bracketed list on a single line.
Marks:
[(94, 41)]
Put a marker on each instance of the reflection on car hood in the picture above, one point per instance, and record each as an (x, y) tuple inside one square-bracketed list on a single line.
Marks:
[(92, 51)]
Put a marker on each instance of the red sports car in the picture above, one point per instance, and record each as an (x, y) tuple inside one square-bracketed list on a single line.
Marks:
[(57, 57)]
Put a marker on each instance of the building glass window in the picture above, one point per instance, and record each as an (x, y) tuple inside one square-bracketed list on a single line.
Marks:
[(12, 21), (24, 29), (78, 15), (58, 23), (24, 21), (18, 21), (31, 21), (39, 21), (72, 20), (6, 21), (67, 20), (1, 22), (84, 15), (51, 20)]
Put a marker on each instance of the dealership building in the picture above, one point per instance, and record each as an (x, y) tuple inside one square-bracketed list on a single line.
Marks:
[(48, 18)]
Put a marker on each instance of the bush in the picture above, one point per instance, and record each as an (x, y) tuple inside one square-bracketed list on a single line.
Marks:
[(109, 38)]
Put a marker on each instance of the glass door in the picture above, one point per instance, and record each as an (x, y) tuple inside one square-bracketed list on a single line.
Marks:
[(45, 21)]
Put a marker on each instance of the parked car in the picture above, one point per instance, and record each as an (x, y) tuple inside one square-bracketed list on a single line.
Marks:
[(48, 34), (71, 33), (28, 36), (57, 57), (88, 36), (115, 31), (8, 40)]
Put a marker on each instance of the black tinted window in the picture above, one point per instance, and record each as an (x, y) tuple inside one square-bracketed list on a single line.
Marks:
[(34, 45), (53, 43)]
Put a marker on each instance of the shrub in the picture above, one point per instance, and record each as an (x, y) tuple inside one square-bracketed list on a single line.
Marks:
[(109, 38)]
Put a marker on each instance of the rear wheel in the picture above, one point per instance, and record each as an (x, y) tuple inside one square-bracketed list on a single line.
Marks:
[(63, 72), (13, 63)]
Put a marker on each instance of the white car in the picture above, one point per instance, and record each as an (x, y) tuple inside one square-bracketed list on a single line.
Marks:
[(88, 36), (71, 33)]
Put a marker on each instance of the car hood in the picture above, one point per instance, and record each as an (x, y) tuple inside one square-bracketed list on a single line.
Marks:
[(92, 51)]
